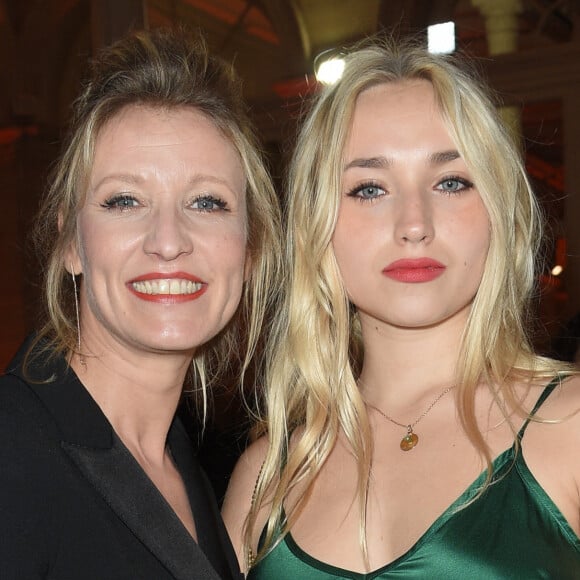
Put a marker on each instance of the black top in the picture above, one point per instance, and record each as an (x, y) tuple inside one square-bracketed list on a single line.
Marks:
[(75, 504)]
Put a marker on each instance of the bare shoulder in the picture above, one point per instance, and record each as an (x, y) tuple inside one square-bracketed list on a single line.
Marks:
[(550, 446), (558, 416), (562, 407), (245, 474), (238, 499)]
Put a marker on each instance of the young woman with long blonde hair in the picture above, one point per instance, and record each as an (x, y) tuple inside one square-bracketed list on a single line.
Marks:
[(410, 429)]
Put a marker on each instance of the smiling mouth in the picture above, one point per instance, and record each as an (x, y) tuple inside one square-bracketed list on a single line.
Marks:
[(167, 287)]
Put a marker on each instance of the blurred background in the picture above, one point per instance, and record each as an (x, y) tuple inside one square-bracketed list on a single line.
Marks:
[(529, 51)]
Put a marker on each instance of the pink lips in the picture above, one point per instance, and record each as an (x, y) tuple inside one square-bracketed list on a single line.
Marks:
[(414, 271)]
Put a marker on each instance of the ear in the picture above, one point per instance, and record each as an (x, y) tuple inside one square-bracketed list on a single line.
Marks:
[(72, 260)]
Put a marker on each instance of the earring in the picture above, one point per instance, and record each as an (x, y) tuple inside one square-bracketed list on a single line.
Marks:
[(74, 281)]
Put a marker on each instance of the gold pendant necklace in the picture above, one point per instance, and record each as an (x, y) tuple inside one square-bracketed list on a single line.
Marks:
[(411, 439)]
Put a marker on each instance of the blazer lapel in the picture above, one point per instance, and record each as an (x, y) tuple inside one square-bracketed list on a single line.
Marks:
[(89, 440), (211, 532), (116, 475)]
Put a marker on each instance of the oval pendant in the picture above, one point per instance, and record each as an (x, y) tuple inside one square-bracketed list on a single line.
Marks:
[(409, 441)]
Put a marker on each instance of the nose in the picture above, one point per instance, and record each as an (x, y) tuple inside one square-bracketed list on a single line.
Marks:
[(414, 221), (169, 235)]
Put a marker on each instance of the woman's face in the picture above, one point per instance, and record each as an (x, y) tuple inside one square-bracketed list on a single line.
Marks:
[(412, 234), (162, 233)]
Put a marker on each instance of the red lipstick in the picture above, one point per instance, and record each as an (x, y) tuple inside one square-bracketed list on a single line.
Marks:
[(414, 271), (163, 288)]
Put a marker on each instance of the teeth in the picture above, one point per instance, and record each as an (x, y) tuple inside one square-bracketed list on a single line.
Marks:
[(167, 286)]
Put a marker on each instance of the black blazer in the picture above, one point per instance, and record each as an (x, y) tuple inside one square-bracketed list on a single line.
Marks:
[(75, 504)]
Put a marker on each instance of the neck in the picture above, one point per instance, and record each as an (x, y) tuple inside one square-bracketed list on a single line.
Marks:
[(137, 392), (406, 367)]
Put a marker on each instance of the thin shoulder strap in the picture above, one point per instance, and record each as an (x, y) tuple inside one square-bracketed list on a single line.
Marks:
[(545, 394)]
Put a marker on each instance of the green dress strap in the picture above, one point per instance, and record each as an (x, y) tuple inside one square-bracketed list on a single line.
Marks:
[(548, 390)]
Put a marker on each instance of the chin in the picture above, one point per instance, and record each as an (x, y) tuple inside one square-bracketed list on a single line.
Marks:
[(166, 342)]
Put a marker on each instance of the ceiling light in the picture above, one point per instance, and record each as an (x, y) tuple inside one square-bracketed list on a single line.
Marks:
[(441, 38), (329, 71)]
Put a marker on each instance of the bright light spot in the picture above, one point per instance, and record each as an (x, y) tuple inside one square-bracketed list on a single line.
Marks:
[(330, 70), (557, 270), (441, 38)]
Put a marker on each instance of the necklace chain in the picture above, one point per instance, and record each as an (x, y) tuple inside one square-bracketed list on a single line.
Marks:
[(411, 439), (421, 416)]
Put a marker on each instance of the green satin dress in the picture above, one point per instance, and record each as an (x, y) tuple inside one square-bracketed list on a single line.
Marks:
[(514, 531)]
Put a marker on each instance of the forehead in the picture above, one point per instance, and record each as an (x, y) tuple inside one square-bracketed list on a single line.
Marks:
[(141, 135), (397, 98), (159, 122), (401, 115)]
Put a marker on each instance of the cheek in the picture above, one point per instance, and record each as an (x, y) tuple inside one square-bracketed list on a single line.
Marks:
[(476, 250), (350, 262), (231, 267), (481, 237), (96, 254), (231, 254), (93, 245), (340, 238), (469, 232), (353, 242)]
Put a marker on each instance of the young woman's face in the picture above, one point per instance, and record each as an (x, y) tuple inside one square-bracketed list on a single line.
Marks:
[(162, 233), (412, 234)]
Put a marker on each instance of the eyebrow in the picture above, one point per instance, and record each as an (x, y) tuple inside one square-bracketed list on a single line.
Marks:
[(132, 179), (383, 162), (444, 157), (122, 177), (369, 163)]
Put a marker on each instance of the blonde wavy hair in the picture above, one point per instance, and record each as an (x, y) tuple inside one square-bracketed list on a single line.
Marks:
[(165, 69), (316, 352)]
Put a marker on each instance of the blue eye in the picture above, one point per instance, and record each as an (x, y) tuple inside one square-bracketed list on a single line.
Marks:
[(454, 185), (121, 202), (209, 203), (367, 191)]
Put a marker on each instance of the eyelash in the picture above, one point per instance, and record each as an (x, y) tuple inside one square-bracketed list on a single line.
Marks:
[(116, 202), (366, 185), (465, 183), (355, 192), (220, 204), (126, 202)]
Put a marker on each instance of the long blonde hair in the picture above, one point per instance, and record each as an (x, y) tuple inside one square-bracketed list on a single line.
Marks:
[(316, 352)]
